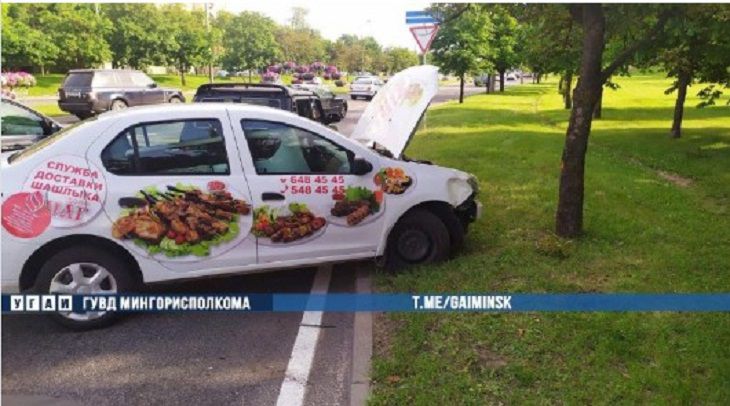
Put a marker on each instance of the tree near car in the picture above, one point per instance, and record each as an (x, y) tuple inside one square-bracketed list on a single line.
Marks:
[(23, 44), (462, 45), (249, 42), (138, 42), (593, 75)]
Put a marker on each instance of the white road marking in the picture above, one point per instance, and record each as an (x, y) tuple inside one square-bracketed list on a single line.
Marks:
[(294, 386)]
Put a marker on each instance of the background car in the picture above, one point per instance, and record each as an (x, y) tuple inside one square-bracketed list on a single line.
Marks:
[(86, 92), (366, 87), (335, 107), (22, 126), (301, 101)]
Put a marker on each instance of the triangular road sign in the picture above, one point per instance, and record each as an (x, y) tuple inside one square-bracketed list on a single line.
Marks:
[(424, 35)]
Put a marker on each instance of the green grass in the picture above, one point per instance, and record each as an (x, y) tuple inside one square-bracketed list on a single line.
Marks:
[(643, 233), (49, 109)]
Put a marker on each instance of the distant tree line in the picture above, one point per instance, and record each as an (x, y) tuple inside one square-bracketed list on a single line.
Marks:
[(55, 37)]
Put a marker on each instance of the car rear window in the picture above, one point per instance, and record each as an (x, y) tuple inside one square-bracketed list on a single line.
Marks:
[(78, 79), (364, 82)]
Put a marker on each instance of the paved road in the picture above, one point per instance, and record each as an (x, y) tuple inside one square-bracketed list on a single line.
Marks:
[(186, 358)]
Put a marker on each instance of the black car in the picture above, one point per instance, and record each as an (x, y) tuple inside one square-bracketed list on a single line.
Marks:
[(335, 108), (86, 92), (22, 126), (302, 102)]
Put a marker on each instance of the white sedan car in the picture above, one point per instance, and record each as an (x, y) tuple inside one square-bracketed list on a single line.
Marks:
[(366, 87), (169, 192)]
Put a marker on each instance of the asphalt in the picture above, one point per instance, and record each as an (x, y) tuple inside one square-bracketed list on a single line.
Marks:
[(190, 358)]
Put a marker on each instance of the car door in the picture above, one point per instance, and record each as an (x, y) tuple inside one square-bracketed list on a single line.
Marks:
[(151, 94), (297, 176), (126, 85), (176, 191)]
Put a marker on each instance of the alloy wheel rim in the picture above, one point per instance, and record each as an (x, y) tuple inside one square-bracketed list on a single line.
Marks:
[(414, 245), (83, 278)]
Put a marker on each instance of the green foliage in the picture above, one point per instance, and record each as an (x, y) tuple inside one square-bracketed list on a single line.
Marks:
[(299, 42), (353, 53), (462, 45), (249, 42), (141, 35), (395, 59)]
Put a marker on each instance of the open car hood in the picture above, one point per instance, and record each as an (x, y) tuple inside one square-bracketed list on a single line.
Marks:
[(392, 116)]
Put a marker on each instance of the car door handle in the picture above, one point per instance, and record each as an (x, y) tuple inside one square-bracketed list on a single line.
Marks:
[(272, 196)]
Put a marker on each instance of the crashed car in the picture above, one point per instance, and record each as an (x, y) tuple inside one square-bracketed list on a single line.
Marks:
[(173, 192)]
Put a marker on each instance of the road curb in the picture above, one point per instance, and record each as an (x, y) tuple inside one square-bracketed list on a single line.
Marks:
[(362, 344)]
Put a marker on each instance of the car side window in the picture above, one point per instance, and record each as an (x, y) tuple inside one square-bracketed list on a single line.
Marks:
[(141, 80), (278, 148), (183, 147), (16, 120)]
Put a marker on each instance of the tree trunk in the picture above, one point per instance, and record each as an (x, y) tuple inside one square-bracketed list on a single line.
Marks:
[(569, 215), (598, 109), (682, 83), (560, 85), (501, 81), (182, 76), (539, 77), (486, 84), (461, 88), (492, 79), (568, 88), (249, 76)]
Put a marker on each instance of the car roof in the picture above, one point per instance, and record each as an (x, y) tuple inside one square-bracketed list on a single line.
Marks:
[(196, 108), (213, 88)]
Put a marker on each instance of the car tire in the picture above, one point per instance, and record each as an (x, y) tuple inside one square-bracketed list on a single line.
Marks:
[(118, 104), (418, 238), (175, 99), (73, 270), (353, 97)]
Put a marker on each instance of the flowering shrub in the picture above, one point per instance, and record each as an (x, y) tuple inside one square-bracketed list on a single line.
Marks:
[(274, 68), (331, 69), (302, 69), (17, 79), (336, 75), (316, 66), (289, 66), (269, 77)]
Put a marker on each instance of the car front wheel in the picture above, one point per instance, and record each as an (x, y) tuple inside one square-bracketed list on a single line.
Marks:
[(84, 271), (420, 237), (175, 99)]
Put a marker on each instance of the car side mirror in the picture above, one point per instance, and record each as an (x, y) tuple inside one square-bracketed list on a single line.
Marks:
[(152, 85), (361, 166)]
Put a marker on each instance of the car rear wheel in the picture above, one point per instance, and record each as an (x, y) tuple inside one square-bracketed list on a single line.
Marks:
[(420, 237), (84, 270), (118, 105), (175, 99), (353, 97)]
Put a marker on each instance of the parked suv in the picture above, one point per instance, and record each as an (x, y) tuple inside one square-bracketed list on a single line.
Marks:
[(86, 92), (303, 102)]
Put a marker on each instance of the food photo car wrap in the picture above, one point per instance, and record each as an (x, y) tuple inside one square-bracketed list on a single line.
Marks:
[(64, 191), (182, 222)]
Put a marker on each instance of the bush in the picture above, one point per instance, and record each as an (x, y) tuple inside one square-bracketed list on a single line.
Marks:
[(339, 83)]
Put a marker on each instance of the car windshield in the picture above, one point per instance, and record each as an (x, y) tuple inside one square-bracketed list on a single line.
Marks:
[(44, 142), (78, 79), (364, 82)]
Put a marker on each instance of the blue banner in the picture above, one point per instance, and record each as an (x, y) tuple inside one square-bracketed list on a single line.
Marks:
[(351, 302)]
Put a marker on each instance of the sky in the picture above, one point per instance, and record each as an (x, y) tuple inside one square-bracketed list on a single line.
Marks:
[(382, 19)]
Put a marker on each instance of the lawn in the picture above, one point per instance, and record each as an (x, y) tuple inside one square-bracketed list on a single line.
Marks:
[(657, 219)]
